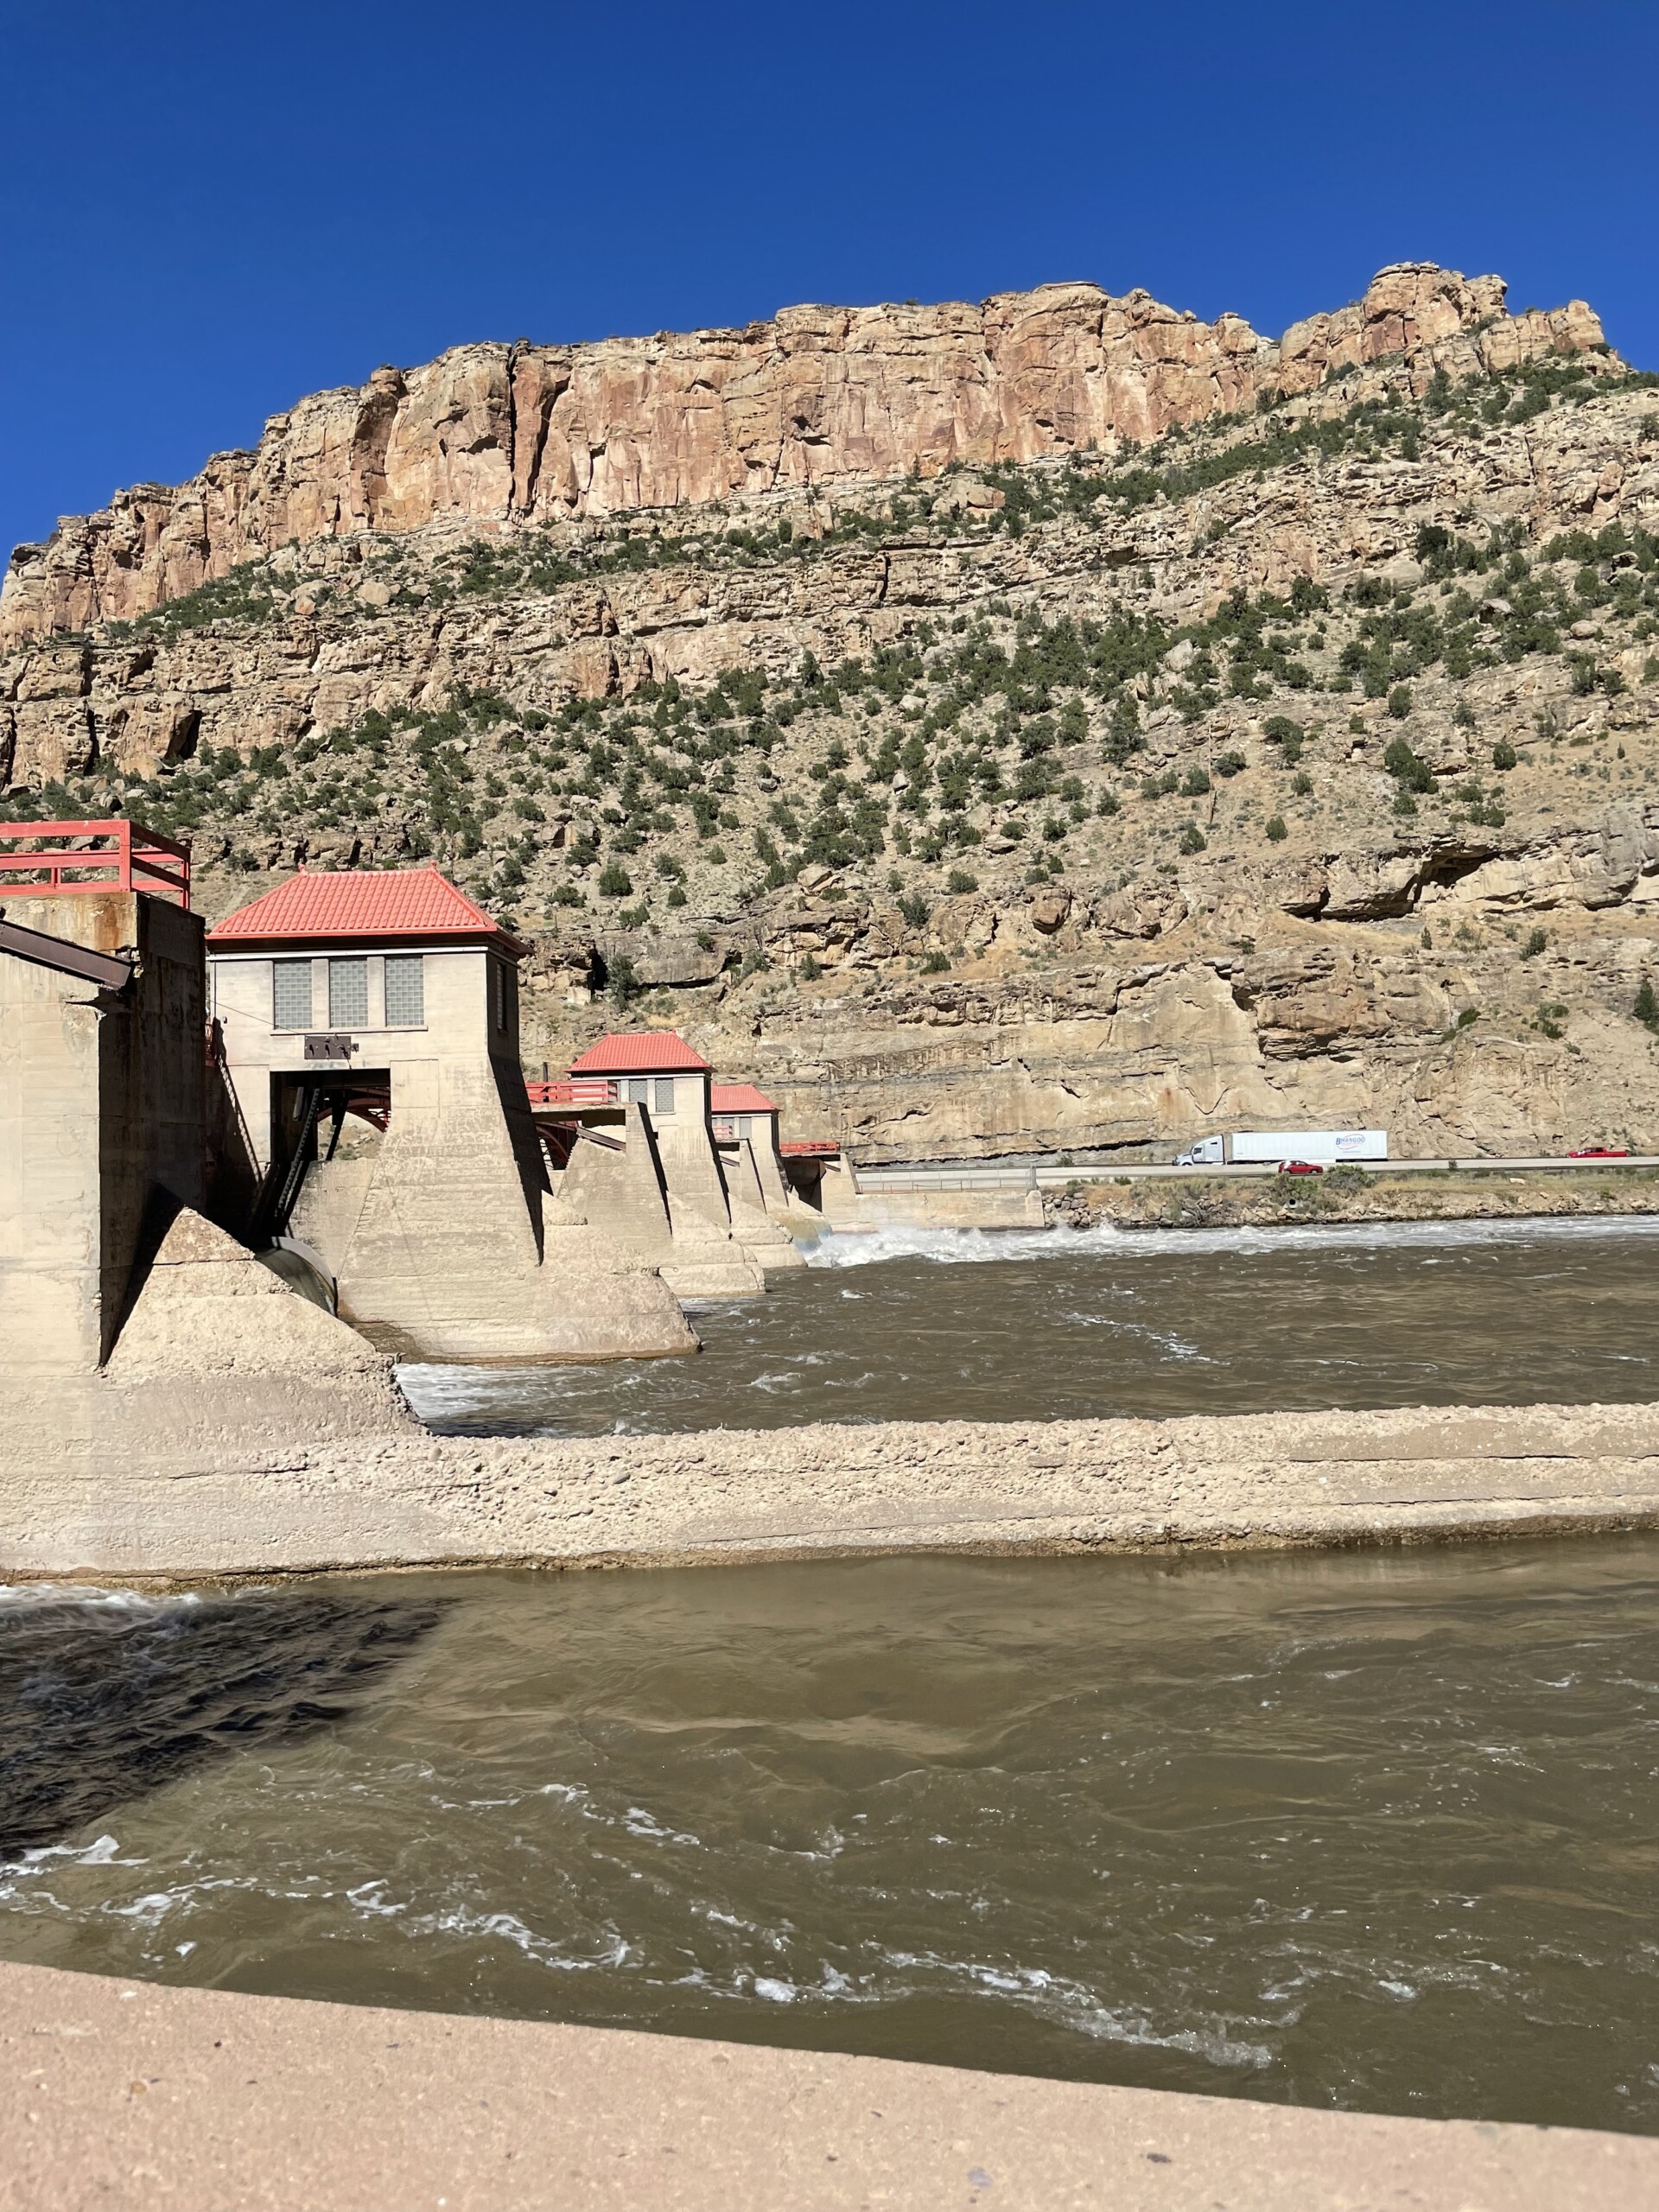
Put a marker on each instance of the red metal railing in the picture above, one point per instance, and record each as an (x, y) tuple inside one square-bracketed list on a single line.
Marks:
[(55, 858), (575, 1091), (809, 1148)]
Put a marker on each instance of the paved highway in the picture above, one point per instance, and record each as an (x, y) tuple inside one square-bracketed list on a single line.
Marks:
[(955, 1175)]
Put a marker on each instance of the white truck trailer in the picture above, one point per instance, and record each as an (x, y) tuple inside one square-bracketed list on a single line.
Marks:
[(1267, 1147)]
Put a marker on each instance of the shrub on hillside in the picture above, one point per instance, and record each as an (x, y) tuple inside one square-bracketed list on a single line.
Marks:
[(1407, 770), (1288, 736)]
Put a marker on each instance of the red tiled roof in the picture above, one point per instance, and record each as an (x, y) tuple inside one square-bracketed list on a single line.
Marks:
[(738, 1098), (359, 903), (640, 1051)]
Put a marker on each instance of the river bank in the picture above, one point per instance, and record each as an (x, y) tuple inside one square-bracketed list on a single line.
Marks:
[(1355, 1194)]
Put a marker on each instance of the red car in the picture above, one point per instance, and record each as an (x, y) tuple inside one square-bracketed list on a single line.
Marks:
[(1598, 1151), (1299, 1167)]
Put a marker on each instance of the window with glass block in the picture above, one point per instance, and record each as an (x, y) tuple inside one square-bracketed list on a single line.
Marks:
[(348, 994), (290, 994), (405, 991)]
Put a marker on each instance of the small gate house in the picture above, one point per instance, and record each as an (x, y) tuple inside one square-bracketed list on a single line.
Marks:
[(334, 991)]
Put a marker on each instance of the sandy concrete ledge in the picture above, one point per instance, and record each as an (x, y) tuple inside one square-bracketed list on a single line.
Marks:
[(122, 2093), (1280, 1479)]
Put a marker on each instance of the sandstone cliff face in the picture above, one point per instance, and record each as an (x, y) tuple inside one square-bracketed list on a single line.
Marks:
[(1203, 930), (1327, 1028), (498, 436), (347, 640)]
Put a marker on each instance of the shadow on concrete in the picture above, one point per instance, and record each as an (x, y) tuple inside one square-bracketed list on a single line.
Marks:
[(104, 1697)]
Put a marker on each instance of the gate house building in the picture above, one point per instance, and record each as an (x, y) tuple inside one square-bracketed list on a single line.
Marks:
[(392, 1000), (349, 987), (743, 1114), (654, 1068)]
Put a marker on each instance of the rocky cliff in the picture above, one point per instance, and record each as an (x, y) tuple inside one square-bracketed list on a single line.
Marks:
[(1059, 724), (493, 436)]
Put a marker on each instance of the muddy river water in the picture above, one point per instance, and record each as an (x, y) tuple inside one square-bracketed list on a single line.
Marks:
[(1368, 1829), (1027, 1325)]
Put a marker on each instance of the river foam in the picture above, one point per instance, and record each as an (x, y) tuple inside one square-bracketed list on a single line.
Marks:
[(971, 1247)]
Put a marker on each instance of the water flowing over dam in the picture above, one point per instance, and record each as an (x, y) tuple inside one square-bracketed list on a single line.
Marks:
[(896, 1325)]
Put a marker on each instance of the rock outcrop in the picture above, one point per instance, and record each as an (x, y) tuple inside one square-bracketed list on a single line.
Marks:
[(498, 436)]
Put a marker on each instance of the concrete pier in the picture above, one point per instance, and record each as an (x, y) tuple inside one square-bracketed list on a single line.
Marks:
[(135, 1334), (391, 1002), (660, 1172)]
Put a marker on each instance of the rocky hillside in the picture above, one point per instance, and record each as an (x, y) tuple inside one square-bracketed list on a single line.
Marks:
[(1053, 724)]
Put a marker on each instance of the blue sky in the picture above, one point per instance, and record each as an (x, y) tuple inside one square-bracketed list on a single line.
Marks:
[(207, 210)]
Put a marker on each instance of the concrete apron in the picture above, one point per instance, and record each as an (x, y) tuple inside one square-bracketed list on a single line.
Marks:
[(401, 1498), (126, 2092)]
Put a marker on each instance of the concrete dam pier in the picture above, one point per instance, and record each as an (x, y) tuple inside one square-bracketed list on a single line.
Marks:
[(390, 1003)]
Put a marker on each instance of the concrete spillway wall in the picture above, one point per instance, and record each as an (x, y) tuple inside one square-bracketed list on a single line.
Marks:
[(401, 1497), (115, 2092)]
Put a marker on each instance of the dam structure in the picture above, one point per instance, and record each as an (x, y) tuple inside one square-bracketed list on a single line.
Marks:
[(101, 1016), (699, 1194), (351, 1088), (139, 1336), (389, 1003), (155, 1155)]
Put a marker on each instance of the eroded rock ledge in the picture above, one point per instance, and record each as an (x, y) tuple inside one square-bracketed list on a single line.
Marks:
[(723, 1495)]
